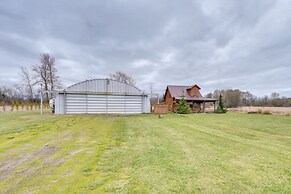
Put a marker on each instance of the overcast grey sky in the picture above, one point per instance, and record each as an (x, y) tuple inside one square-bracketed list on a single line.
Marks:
[(216, 44)]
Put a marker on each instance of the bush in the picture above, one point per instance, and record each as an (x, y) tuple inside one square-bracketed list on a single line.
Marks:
[(183, 107), (12, 106), (17, 105), (27, 105), (220, 107), (46, 105), (3, 104), (266, 112), (22, 105), (31, 105), (35, 105)]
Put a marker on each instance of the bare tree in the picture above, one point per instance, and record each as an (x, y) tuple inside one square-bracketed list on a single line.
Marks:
[(54, 79), (9, 94), (209, 95), (41, 75), (122, 77), (274, 95), (18, 92), (27, 82), (46, 74)]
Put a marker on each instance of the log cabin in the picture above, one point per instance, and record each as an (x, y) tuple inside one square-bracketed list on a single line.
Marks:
[(190, 93)]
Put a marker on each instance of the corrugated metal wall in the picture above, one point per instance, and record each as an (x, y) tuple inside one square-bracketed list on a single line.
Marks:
[(94, 104), (102, 96), (60, 104), (104, 85)]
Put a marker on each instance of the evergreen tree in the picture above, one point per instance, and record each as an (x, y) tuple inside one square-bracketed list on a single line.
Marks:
[(183, 107), (220, 107)]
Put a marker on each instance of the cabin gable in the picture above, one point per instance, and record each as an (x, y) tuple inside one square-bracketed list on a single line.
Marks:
[(194, 91)]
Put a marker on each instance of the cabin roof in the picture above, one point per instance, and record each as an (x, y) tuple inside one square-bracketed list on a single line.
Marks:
[(179, 91)]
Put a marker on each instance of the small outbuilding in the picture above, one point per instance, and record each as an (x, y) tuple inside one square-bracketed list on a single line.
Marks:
[(99, 96)]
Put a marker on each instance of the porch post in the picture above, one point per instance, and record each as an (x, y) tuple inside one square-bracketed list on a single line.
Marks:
[(203, 106), (214, 105)]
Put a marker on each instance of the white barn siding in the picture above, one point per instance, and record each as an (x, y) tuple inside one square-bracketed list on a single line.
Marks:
[(60, 104), (102, 96)]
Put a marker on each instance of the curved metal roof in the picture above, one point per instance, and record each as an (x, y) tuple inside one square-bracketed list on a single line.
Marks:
[(103, 86)]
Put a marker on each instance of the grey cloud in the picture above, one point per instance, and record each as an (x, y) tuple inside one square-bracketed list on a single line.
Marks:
[(215, 44)]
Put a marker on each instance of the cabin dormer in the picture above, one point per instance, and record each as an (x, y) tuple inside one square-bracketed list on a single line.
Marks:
[(194, 91)]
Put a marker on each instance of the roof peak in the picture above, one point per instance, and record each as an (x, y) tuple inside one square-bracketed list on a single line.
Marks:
[(179, 86), (184, 86)]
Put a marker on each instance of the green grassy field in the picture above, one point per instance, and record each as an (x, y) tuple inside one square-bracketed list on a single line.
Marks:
[(202, 153)]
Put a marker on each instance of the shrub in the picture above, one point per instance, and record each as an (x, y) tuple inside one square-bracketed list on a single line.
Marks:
[(12, 106), (17, 105), (46, 105), (31, 105), (183, 107), (22, 105), (35, 105), (27, 105), (220, 107), (266, 112), (3, 104)]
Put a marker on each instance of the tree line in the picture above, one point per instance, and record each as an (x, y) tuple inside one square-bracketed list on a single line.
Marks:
[(32, 79), (235, 98), (40, 77)]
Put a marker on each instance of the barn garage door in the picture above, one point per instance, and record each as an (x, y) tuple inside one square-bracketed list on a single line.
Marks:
[(94, 104)]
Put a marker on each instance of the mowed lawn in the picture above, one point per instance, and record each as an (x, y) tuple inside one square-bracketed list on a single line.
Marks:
[(196, 153)]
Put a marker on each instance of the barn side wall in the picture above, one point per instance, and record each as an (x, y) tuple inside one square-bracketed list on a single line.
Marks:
[(60, 104), (78, 103), (146, 104)]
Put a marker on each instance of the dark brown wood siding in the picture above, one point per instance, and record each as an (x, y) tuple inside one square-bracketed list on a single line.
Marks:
[(191, 91), (169, 100)]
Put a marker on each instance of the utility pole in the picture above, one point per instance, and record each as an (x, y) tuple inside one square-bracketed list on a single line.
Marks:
[(151, 89), (41, 100)]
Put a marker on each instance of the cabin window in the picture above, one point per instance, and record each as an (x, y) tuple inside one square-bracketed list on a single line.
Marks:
[(195, 93), (195, 105)]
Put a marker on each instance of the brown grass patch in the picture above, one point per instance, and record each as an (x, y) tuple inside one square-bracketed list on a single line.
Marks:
[(263, 110)]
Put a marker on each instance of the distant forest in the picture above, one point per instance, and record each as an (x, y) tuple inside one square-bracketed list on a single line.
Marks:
[(236, 98), (231, 98)]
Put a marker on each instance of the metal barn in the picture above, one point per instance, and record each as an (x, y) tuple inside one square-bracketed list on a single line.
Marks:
[(101, 96)]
